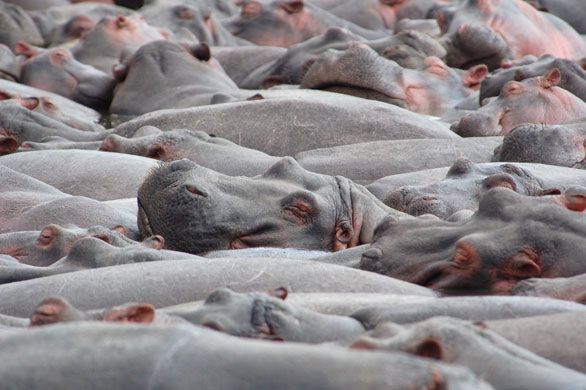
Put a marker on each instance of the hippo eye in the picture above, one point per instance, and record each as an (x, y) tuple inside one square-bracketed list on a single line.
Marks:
[(195, 191), (512, 88), (103, 237), (184, 13), (301, 207)]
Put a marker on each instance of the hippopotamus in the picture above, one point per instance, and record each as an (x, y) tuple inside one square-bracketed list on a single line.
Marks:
[(301, 209), (569, 11), (456, 341), (296, 122), (561, 145), (522, 27), (172, 282), (461, 189), (92, 174), (510, 238), (571, 289), (57, 71), (28, 204), (409, 48), (102, 46), (196, 17), (284, 23), (43, 248), (533, 100), (361, 72), (17, 25), (573, 77), (227, 361), (163, 74)]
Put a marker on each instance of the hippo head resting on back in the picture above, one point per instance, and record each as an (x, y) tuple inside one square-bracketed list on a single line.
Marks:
[(197, 209)]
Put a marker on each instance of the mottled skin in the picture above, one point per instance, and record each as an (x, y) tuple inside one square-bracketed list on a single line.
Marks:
[(102, 46), (522, 27), (573, 77), (510, 238), (561, 145), (361, 72), (57, 71), (571, 289), (533, 100), (197, 210), (459, 342), (171, 282), (43, 248), (210, 359), (162, 74), (461, 189), (285, 23)]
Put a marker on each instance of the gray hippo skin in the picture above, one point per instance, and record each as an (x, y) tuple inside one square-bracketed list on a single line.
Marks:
[(510, 238), (571, 289), (197, 210), (166, 283), (28, 204), (492, 357), (296, 121), (561, 145), (210, 359)]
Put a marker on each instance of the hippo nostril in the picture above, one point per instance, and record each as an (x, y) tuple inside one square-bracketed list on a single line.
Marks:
[(121, 21), (181, 165)]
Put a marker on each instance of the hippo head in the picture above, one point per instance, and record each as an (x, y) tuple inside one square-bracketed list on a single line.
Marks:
[(252, 315), (197, 210), (410, 48), (561, 145), (57, 71), (461, 189), (510, 238)]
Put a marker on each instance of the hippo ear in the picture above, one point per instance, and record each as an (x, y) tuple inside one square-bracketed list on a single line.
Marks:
[(108, 144), (121, 229), (475, 75), (158, 152), (344, 235), (8, 145), (140, 312), (30, 102), (49, 311), (120, 71), (430, 348), (523, 265), (552, 78), (279, 292), (154, 242), (5, 95), (292, 6), (201, 51), (47, 235), (25, 49)]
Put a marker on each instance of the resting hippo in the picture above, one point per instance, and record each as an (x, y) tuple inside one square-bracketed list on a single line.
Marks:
[(510, 238), (188, 205), (93, 174), (361, 72), (163, 74), (461, 189), (57, 71), (17, 25), (43, 248), (561, 145), (455, 341), (534, 100), (227, 362), (172, 282), (573, 77), (571, 289), (28, 204), (568, 10), (296, 121)]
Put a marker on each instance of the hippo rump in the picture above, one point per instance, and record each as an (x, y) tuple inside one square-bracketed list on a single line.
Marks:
[(198, 210)]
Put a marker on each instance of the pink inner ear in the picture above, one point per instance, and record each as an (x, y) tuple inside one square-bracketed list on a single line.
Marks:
[(279, 292), (293, 6), (552, 78), (430, 349)]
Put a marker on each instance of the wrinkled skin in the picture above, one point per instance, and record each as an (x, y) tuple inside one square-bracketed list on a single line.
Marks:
[(461, 189), (570, 289), (227, 361), (301, 209), (522, 27), (43, 248), (534, 100), (218, 154), (197, 18), (104, 44), (16, 25), (360, 71), (165, 75), (510, 238), (561, 145), (285, 23), (459, 342), (57, 71), (573, 77)]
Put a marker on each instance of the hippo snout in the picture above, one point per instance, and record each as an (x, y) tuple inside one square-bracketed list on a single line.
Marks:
[(478, 124)]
